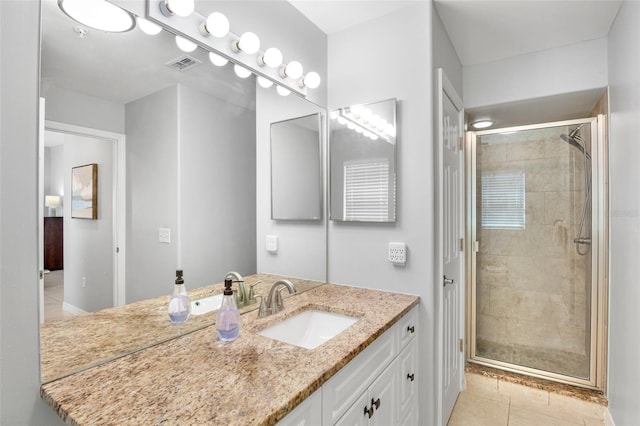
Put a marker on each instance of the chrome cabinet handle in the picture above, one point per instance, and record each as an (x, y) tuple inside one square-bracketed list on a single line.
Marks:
[(447, 281)]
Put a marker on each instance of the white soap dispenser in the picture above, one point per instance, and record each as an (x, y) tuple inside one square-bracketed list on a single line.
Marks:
[(180, 304), (228, 316)]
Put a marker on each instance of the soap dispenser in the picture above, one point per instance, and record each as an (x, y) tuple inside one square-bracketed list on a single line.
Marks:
[(228, 316), (180, 304)]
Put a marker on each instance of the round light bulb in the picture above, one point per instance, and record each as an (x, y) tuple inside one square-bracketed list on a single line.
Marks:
[(180, 7), (241, 71), (98, 14), (249, 43), (148, 27), (264, 82), (293, 70), (185, 45), (333, 115), (282, 91), (390, 129), (217, 60), (342, 120), (358, 129), (366, 115), (312, 80), (350, 125), (217, 24), (272, 57)]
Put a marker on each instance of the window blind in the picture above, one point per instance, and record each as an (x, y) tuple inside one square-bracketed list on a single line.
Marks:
[(503, 200), (366, 190)]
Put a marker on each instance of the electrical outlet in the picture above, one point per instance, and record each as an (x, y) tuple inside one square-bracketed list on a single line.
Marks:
[(272, 243), (164, 235), (398, 253)]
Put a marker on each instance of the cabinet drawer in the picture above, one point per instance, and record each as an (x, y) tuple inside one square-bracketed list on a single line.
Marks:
[(408, 327), (408, 377), (343, 389)]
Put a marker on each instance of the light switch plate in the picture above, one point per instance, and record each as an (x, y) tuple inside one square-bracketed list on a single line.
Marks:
[(272, 243), (164, 235), (398, 253)]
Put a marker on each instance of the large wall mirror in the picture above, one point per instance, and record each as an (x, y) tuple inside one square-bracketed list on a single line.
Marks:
[(363, 162), (193, 163), (296, 168)]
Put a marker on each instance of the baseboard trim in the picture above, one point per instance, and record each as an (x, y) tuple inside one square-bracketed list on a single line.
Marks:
[(67, 307)]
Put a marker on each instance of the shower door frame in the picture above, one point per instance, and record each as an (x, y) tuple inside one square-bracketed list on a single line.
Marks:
[(599, 255)]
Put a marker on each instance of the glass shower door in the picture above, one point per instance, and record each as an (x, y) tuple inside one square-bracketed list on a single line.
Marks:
[(533, 295)]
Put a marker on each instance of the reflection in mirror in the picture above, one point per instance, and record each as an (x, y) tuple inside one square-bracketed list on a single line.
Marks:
[(296, 176), (191, 160), (363, 162)]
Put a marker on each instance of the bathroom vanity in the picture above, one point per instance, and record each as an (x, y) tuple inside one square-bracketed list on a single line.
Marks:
[(369, 370)]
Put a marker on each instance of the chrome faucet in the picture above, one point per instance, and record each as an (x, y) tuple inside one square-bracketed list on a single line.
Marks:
[(274, 302), (241, 296)]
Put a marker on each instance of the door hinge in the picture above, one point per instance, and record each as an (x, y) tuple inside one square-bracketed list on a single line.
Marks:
[(461, 345), (461, 143), (476, 246), (461, 244), (117, 249)]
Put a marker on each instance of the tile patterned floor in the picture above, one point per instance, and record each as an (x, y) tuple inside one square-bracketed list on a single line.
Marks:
[(54, 296), (491, 402)]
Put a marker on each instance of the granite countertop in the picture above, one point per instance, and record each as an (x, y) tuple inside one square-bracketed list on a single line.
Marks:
[(83, 341), (198, 379)]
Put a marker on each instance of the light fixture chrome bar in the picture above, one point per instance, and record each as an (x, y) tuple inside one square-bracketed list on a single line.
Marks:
[(342, 112), (189, 27)]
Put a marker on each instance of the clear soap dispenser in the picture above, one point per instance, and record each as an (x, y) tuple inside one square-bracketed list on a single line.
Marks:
[(228, 316), (180, 304)]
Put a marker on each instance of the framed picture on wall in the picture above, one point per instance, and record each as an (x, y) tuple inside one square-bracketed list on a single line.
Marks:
[(84, 188)]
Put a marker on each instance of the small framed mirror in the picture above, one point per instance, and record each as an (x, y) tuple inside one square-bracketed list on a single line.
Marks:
[(296, 169), (362, 159)]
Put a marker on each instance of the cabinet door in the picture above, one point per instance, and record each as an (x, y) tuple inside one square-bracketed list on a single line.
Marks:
[(309, 413), (408, 381), (384, 397), (356, 414)]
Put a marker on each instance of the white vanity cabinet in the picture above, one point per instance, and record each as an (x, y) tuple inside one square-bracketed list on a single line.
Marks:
[(373, 389), (378, 387)]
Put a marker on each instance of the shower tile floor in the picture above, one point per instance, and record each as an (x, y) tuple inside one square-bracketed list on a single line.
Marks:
[(493, 402)]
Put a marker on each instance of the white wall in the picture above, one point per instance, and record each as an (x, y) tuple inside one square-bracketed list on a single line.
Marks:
[(218, 188), (624, 152), (580, 66), (20, 401), (88, 244), (66, 106), (366, 64), (302, 244)]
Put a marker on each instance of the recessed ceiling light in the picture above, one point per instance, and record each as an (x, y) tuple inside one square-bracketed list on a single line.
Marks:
[(482, 124), (98, 14)]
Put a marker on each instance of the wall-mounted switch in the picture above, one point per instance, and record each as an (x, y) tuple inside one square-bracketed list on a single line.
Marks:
[(398, 253), (272, 243), (164, 235)]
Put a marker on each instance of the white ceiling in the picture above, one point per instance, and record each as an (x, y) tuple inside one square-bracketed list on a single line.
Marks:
[(484, 31)]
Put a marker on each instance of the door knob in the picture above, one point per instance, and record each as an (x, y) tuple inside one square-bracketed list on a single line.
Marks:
[(447, 281)]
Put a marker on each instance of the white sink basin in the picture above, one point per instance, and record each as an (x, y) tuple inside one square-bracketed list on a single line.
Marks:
[(309, 329), (206, 304)]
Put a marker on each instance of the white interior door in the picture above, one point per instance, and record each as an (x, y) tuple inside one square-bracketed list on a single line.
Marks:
[(451, 226), (41, 211)]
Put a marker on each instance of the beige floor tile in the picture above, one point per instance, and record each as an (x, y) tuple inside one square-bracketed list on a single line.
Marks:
[(589, 421), (566, 403), (523, 417), (473, 410), (483, 386), (524, 396)]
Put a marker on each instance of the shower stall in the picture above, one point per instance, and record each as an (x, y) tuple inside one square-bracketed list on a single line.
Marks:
[(536, 221)]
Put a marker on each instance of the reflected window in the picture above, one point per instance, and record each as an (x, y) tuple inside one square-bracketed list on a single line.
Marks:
[(366, 190), (503, 200)]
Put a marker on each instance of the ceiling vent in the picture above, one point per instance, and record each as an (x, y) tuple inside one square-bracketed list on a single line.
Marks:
[(183, 63)]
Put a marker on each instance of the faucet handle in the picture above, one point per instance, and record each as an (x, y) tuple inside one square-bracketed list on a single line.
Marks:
[(251, 298), (278, 303), (262, 311)]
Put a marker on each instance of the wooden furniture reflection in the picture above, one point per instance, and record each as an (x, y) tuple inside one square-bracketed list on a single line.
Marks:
[(53, 243)]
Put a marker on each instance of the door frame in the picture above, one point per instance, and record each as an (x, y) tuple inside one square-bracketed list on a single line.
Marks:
[(445, 88), (119, 199), (599, 254)]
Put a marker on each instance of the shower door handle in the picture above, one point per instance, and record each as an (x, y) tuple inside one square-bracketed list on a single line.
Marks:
[(447, 281)]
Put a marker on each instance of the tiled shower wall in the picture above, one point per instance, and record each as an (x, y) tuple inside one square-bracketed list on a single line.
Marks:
[(533, 291)]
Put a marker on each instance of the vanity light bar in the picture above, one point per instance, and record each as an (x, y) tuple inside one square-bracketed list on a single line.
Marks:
[(243, 50), (353, 120)]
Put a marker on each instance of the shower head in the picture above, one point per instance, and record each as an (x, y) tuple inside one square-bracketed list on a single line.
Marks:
[(574, 139)]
